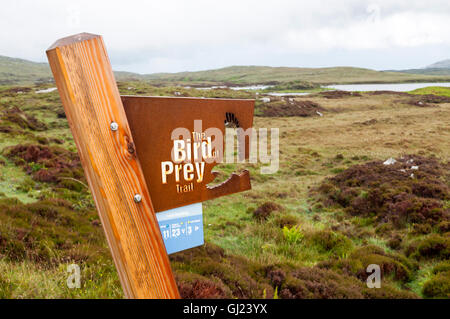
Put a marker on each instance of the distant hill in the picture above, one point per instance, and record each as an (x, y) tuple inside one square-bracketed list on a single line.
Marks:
[(267, 75), (428, 71), (440, 68), (21, 72), (17, 71), (444, 64)]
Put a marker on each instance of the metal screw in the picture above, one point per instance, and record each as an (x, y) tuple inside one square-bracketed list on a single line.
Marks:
[(137, 198), (114, 126)]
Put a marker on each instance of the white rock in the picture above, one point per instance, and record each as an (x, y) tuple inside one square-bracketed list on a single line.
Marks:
[(403, 170), (415, 167), (46, 90), (390, 161)]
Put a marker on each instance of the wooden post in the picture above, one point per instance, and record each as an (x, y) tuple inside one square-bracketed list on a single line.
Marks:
[(92, 103)]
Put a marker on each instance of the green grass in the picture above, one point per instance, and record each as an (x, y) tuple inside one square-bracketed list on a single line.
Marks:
[(301, 232), (26, 280), (14, 182), (436, 90)]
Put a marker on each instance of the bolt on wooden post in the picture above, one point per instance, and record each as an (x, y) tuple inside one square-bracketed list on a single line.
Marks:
[(96, 116)]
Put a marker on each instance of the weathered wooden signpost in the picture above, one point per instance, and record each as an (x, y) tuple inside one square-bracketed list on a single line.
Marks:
[(125, 145)]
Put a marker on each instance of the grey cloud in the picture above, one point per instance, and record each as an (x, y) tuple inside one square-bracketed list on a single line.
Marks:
[(177, 35)]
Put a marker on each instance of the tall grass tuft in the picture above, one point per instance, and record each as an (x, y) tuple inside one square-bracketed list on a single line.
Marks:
[(293, 234)]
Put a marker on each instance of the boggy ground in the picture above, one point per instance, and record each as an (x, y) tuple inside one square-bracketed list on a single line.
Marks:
[(307, 231)]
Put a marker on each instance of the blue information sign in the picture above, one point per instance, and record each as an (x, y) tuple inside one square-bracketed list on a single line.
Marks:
[(182, 227)]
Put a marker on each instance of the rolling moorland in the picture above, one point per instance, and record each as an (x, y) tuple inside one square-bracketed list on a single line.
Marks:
[(307, 231), (21, 72)]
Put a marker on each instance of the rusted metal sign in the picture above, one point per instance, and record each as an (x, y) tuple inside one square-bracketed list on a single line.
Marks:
[(178, 167)]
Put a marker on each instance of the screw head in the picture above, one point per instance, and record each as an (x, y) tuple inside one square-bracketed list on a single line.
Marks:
[(137, 198), (114, 126)]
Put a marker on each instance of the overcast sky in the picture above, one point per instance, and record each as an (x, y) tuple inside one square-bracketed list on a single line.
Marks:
[(189, 35)]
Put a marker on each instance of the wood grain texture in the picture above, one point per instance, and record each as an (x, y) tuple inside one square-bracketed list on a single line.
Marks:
[(91, 100)]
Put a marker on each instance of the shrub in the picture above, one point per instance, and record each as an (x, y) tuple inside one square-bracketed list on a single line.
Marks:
[(444, 226), (276, 276), (314, 283), (242, 277), (388, 193), (263, 212), (433, 246), (384, 229), (356, 264), (193, 286), (395, 242), (49, 164), (327, 240), (326, 283), (283, 108), (49, 232), (443, 266), (388, 292), (422, 229), (24, 120), (438, 286), (285, 220)]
